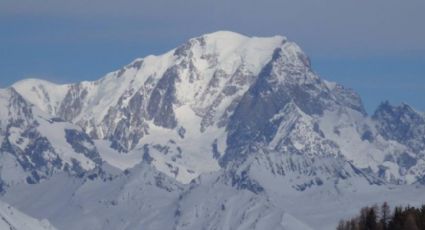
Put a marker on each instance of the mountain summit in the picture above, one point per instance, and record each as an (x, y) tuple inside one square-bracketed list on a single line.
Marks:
[(245, 115)]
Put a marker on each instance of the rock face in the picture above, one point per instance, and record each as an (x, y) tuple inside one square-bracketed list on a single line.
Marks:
[(35, 145), (221, 99), (402, 124)]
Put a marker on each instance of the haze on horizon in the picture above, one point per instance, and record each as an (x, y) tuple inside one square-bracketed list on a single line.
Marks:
[(375, 47)]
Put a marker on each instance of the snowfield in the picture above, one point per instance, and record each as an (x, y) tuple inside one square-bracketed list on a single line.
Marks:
[(10, 218)]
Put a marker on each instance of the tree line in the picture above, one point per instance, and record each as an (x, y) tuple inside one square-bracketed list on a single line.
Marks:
[(382, 218)]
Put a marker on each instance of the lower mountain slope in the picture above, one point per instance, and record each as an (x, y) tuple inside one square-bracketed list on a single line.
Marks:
[(145, 198), (12, 219)]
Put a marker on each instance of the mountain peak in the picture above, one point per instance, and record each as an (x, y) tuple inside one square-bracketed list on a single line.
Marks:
[(401, 123), (387, 107), (33, 81), (224, 34), (230, 50), (227, 41)]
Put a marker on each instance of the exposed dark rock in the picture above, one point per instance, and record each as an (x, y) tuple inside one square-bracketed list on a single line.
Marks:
[(160, 105)]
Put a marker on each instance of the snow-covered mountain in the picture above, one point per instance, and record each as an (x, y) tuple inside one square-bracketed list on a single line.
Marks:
[(12, 219), (402, 124), (225, 121), (218, 97), (35, 145), (145, 198)]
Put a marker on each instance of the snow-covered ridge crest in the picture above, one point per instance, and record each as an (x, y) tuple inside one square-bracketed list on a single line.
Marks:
[(224, 51), (44, 94), (228, 49)]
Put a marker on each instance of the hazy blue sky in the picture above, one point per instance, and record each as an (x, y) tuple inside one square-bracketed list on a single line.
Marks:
[(376, 47)]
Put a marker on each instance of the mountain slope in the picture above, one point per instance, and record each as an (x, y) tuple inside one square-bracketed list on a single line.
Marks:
[(145, 198), (12, 219), (35, 145), (404, 125)]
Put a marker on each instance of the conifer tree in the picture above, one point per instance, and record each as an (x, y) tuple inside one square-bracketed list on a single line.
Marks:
[(385, 215)]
